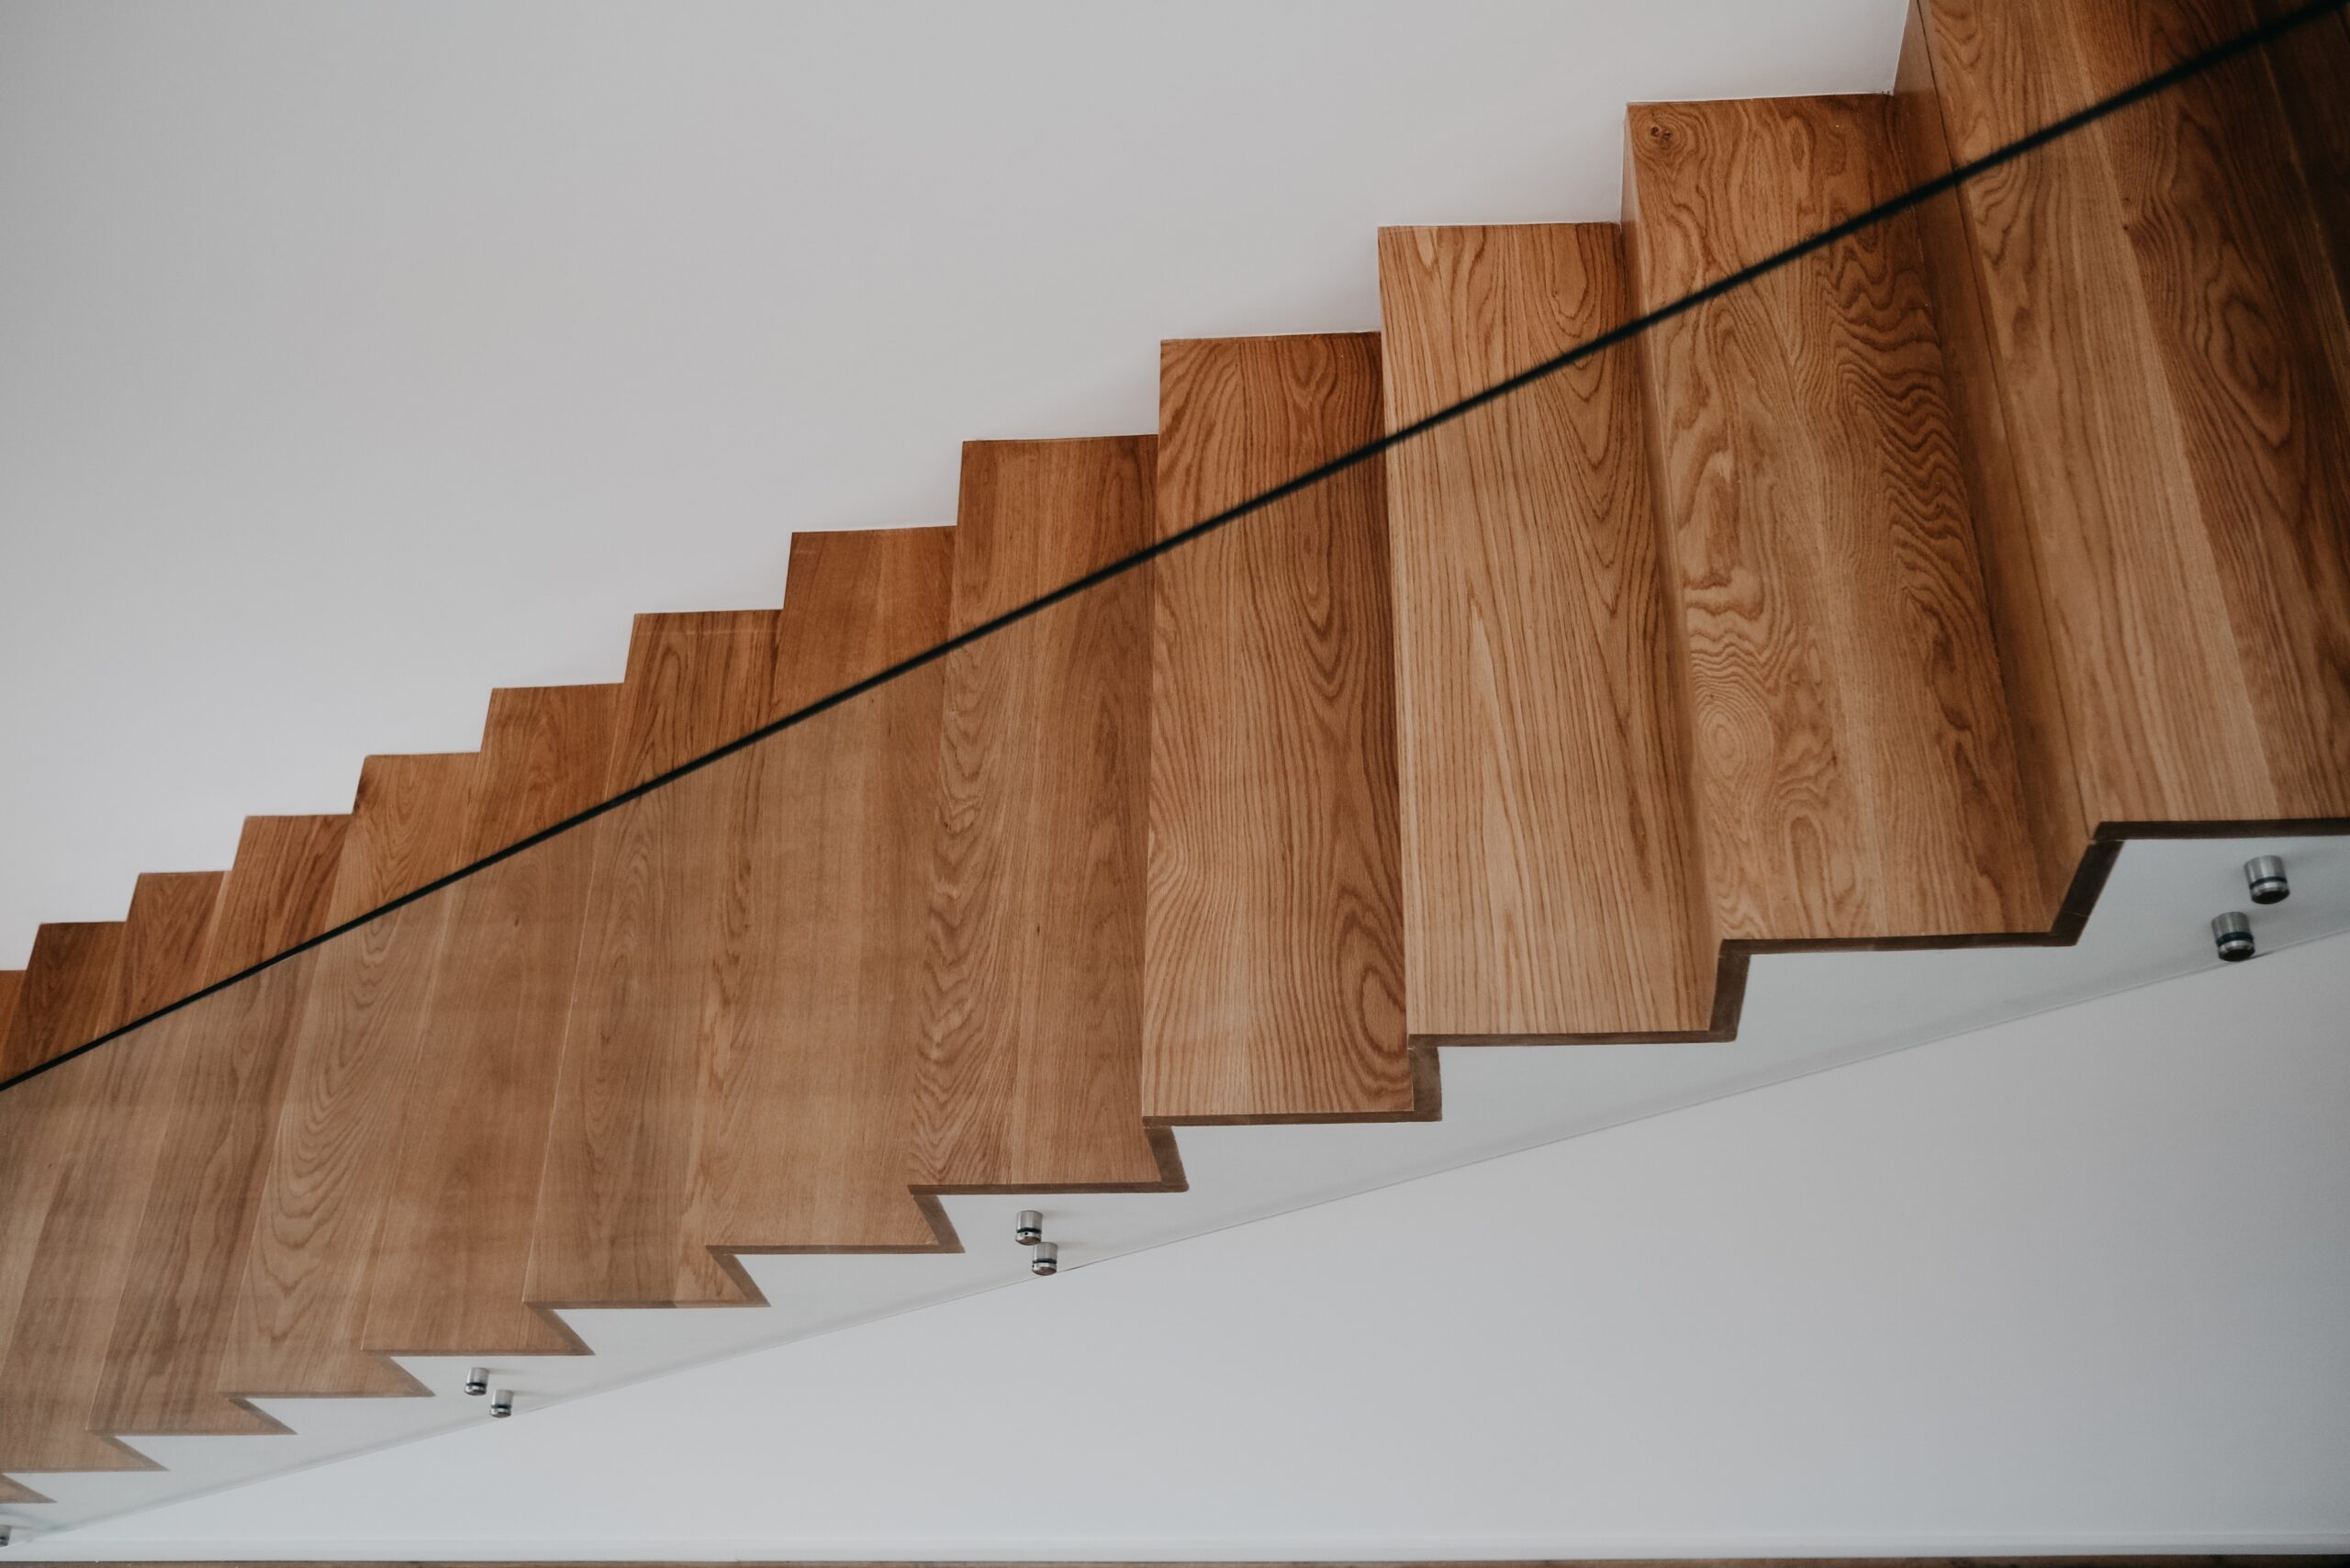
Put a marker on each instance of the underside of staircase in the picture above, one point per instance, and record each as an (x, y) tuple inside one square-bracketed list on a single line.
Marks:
[(1868, 605)]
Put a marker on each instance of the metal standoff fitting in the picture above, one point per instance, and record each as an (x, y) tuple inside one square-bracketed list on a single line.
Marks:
[(1048, 1259), (2265, 875), (501, 1403), (1029, 1229), (477, 1382), (2232, 932)]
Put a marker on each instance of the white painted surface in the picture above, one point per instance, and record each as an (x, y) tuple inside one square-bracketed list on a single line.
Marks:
[(1806, 1014), (2077, 1282), (357, 358)]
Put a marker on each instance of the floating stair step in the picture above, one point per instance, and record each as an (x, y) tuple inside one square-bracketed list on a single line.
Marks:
[(448, 1269), (100, 1133), (232, 1048), (1856, 776), (1273, 954), (1033, 1026), (1551, 879), (808, 1135), (71, 993), (301, 1303), (2162, 322), (659, 976)]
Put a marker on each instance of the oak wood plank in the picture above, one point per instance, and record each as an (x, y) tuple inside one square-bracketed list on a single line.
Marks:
[(12, 984), (1032, 1036), (2166, 320), (71, 993), (301, 1303), (162, 1357), (660, 984), (35, 1127), (103, 1119), (102, 1125), (2046, 767), (1273, 950), (455, 1245), (805, 1145), (165, 937), (1552, 886), (1857, 778)]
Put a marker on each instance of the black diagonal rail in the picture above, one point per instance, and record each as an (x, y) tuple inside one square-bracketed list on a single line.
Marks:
[(2244, 43)]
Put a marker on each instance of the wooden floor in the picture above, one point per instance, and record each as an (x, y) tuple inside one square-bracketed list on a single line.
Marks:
[(1848, 608)]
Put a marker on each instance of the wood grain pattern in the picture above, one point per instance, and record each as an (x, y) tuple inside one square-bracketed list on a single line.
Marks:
[(660, 986), (406, 829), (2046, 767), (1273, 947), (455, 1245), (301, 1303), (71, 993), (1857, 777), (1032, 1033), (164, 1354), (83, 1143), (1552, 882), (808, 1149), (2162, 316), (12, 982), (105, 1118), (165, 937)]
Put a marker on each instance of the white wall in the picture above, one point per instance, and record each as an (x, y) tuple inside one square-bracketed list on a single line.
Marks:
[(2078, 1282), (356, 358)]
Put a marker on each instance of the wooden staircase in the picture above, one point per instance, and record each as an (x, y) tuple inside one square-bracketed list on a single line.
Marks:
[(1866, 605)]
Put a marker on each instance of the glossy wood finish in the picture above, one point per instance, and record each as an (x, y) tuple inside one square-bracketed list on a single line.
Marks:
[(302, 1302), (2165, 321), (233, 1049), (1033, 1024), (1856, 775), (454, 1246), (1552, 883), (657, 998), (70, 995), (1273, 950)]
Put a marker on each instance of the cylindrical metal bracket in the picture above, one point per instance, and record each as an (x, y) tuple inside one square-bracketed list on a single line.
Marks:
[(1048, 1259), (2231, 934), (1029, 1229), (501, 1403), (478, 1380), (2265, 875)]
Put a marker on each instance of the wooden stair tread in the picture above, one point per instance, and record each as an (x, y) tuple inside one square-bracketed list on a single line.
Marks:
[(1032, 1035), (232, 1049), (1856, 778), (659, 976), (1553, 882), (1273, 960), (70, 995), (448, 1272), (301, 1301), (2189, 511), (103, 1132)]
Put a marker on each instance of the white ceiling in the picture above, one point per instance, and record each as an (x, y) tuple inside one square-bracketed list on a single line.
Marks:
[(355, 359), (2074, 1283)]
